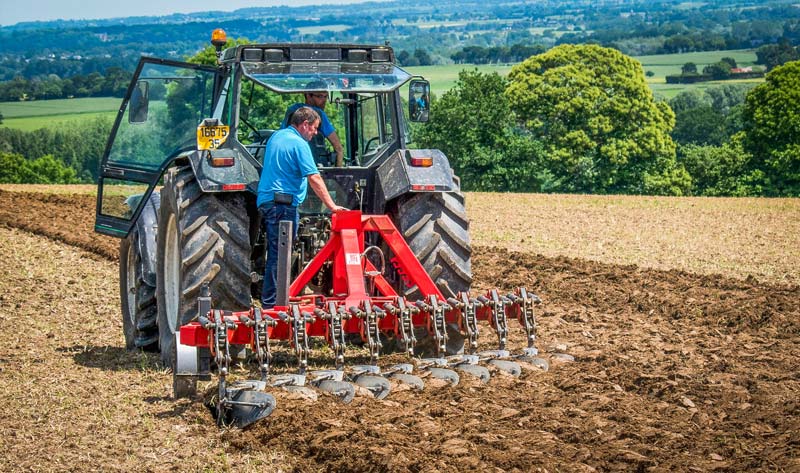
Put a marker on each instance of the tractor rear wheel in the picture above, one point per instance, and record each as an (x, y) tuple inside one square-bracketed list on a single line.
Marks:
[(137, 298), (436, 227), (203, 239)]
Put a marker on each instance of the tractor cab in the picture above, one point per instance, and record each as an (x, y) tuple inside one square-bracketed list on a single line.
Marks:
[(221, 118)]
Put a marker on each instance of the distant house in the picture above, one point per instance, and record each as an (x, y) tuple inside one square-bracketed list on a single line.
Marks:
[(741, 70)]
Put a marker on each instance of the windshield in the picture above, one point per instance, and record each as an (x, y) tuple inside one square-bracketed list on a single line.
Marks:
[(343, 77), (365, 122)]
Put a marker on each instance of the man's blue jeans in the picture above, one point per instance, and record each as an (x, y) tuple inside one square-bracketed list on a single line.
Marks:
[(271, 215)]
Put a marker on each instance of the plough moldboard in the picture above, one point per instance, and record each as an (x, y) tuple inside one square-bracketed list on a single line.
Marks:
[(363, 305)]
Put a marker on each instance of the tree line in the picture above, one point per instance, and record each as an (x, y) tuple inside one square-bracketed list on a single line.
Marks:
[(496, 54), (581, 119), (112, 84), (65, 155), (574, 119)]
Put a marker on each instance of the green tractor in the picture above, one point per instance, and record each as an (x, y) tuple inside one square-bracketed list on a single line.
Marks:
[(181, 168)]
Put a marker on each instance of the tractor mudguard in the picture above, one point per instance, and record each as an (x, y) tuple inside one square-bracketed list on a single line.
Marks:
[(404, 172), (147, 226), (242, 174)]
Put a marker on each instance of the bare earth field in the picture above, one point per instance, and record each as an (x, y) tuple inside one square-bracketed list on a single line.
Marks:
[(685, 346)]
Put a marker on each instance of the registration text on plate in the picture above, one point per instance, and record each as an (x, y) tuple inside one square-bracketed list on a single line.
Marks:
[(211, 137)]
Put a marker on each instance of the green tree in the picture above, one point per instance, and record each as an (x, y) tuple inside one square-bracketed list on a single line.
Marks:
[(719, 70), (772, 127), (726, 97), (473, 125), (773, 55), (1, 118), (702, 125), (423, 57), (11, 165), (689, 68), (15, 169), (729, 61), (601, 128), (689, 99), (721, 170), (49, 170)]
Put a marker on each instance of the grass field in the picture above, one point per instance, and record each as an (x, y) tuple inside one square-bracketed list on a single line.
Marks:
[(40, 108), (33, 115), (443, 78), (663, 65), (54, 121), (668, 233)]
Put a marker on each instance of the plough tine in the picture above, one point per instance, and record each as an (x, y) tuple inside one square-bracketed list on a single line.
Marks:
[(299, 321), (404, 328), (335, 332), (524, 303), (469, 319), (437, 325), (498, 316), (260, 344)]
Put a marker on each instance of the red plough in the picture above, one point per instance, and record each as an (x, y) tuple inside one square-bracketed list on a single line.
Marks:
[(362, 303)]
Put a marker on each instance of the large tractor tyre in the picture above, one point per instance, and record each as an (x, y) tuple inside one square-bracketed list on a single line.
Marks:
[(203, 239), (436, 227), (137, 298)]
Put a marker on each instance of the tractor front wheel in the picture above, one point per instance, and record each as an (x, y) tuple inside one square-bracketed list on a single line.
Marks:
[(137, 297)]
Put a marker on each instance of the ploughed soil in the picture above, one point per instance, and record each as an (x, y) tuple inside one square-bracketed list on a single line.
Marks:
[(672, 371)]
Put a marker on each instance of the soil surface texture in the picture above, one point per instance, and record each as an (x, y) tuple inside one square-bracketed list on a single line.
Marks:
[(672, 371)]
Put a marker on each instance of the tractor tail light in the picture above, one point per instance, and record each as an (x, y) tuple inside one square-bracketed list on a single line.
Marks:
[(222, 162), (423, 187), (423, 162), (233, 187)]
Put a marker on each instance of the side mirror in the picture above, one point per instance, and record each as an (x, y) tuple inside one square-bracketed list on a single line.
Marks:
[(419, 100), (139, 102)]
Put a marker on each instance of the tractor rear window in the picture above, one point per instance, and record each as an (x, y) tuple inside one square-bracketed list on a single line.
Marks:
[(296, 77)]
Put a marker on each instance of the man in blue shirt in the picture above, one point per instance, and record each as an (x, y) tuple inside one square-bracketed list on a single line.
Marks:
[(288, 170), (316, 98)]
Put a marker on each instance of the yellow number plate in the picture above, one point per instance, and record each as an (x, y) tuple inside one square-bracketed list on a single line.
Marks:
[(211, 137)]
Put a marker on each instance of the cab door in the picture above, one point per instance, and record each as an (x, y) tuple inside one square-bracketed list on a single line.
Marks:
[(156, 123)]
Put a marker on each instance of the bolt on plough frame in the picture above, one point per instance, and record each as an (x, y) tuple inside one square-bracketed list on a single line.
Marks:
[(363, 303)]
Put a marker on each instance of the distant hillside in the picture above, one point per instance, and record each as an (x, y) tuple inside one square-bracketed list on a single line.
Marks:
[(443, 29)]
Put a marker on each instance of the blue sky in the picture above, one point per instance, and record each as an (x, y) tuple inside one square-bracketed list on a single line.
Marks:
[(15, 11)]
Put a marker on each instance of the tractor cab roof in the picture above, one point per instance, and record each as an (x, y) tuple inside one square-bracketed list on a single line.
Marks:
[(331, 67)]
